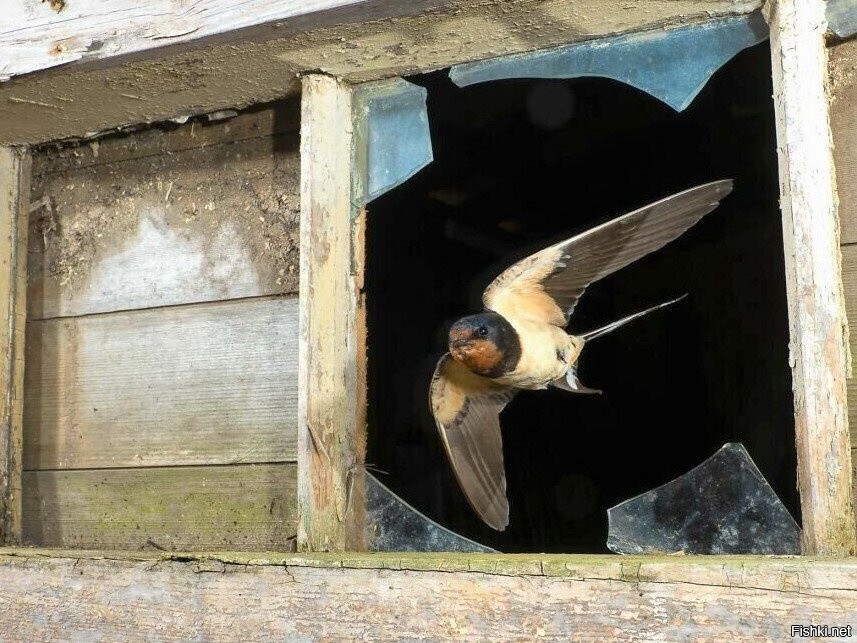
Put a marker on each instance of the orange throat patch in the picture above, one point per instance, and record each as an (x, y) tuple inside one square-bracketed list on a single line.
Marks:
[(481, 356)]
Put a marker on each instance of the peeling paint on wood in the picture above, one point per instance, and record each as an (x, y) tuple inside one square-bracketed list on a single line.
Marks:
[(817, 321), (331, 402), (34, 38)]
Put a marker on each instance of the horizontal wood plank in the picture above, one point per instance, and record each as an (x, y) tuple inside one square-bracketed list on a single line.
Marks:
[(241, 506), (842, 66), (203, 384), (226, 126), (375, 40), (421, 597), (203, 224)]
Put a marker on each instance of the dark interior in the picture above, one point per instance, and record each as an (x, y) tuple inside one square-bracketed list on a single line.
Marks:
[(521, 163)]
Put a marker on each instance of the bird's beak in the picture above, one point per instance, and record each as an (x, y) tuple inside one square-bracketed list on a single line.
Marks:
[(458, 343)]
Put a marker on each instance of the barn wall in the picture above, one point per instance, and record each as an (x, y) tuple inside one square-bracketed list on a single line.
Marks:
[(161, 350), (843, 124)]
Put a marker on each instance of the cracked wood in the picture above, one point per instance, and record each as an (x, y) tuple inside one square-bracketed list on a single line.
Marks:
[(464, 597)]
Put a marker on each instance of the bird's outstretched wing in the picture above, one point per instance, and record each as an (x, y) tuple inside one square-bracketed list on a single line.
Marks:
[(467, 409), (545, 286)]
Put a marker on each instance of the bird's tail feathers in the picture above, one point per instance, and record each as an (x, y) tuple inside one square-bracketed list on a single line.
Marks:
[(571, 383), (609, 328)]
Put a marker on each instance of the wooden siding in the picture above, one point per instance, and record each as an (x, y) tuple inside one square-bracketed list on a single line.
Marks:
[(161, 397), (161, 224), (842, 66), (206, 384), (172, 508), (843, 124)]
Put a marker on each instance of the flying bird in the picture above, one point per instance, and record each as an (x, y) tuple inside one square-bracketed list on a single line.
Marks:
[(519, 342)]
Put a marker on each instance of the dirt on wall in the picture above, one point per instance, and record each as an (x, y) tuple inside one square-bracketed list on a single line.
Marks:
[(222, 205)]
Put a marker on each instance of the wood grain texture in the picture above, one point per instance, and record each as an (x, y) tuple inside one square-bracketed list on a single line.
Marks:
[(203, 384), (36, 36), (14, 207), (377, 40), (413, 597), (849, 282), (273, 119), (186, 225), (241, 506), (331, 404), (842, 69), (817, 321)]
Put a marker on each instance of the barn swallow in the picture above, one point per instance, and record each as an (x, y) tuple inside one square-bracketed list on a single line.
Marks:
[(519, 342)]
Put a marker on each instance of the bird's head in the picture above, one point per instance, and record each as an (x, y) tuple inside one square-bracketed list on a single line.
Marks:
[(486, 344)]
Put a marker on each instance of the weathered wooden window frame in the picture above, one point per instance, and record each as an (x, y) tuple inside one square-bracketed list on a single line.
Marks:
[(332, 403), (818, 327)]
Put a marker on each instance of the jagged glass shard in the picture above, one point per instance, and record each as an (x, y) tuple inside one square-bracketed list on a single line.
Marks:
[(842, 17), (672, 65), (723, 506), (392, 138), (393, 525)]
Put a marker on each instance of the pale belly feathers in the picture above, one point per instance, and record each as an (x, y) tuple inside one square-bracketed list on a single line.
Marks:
[(547, 352)]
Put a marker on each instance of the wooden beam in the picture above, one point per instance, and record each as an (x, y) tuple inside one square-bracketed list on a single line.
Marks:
[(38, 36), (366, 41), (272, 122), (14, 210), (118, 596), (331, 405), (818, 325)]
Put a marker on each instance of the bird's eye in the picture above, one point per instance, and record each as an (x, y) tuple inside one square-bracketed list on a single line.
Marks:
[(482, 331)]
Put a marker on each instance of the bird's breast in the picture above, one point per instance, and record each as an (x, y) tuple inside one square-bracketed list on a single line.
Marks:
[(546, 354)]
